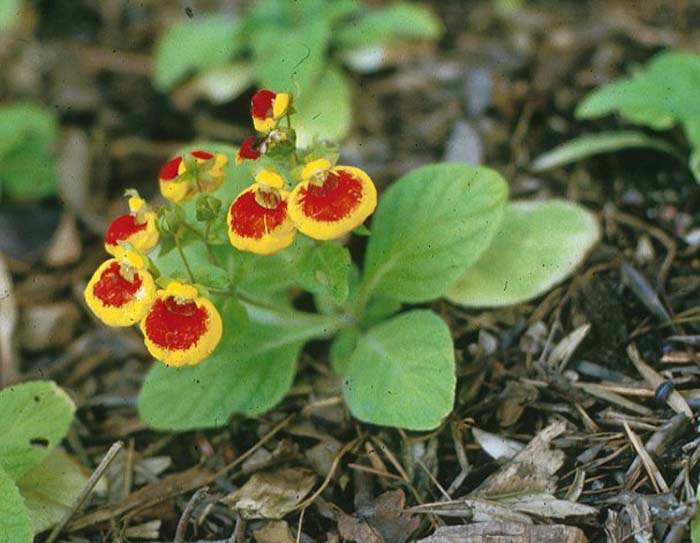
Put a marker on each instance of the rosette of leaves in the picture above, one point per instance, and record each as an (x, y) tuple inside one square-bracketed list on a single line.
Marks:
[(443, 230), (38, 481), (659, 96), (299, 46)]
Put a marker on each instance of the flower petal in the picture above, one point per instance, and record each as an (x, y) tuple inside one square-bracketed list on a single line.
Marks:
[(143, 235), (267, 108), (341, 202), (118, 294), (181, 331), (257, 228), (248, 150)]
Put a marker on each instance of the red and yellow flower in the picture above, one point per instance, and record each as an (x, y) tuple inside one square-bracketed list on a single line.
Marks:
[(121, 291), (181, 327), (249, 150), (258, 220), (267, 108), (184, 176), (331, 201), (137, 228)]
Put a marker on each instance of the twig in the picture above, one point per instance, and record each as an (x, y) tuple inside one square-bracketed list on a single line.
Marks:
[(87, 489), (301, 521), (194, 502)]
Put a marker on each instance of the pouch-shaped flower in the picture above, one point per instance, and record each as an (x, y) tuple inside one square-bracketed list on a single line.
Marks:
[(184, 176), (267, 108), (137, 228), (249, 150)]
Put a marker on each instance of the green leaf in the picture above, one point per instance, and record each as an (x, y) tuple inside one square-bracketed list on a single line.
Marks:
[(248, 374), (292, 55), (659, 96), (399, 21), (51, 488), (194, 45), (603, 142), (34, 418), (9, 12), (212, 277), (341, 349), (430, 226), (402, 373), (15, 524), (27, 160), (324, 111), (324, 269), (538, 245), (219, 85)]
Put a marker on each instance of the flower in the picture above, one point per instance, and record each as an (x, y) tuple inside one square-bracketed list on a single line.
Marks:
[(137, 228), (181, 327), (121, 291), (185, 176), (267, 108), (331, 201), (258, 219), (249, 150)]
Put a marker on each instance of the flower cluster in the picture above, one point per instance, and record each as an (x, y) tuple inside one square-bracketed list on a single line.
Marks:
[(293, 190)]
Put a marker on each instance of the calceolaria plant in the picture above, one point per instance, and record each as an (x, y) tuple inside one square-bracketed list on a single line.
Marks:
[(39, 482), (211, 277)]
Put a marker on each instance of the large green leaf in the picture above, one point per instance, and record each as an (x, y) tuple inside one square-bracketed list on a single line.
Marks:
[(51, 488), (193, 45), (15, 525), (34, 417), (324, 269), (430, 226), (9, 12), (248, 374), (402, 373), (398, 21), (324, 112), (27, 156), (538, 245)]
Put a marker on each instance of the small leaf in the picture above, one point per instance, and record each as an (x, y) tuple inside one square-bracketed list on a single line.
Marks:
[(398, 21), (325, 110), (603, 142), (248, 373), (539, 244), (430, 226), (402, 373), (193, 45), (34, 417), (362, 231), (15, 524), (51, 488), (324, 269)]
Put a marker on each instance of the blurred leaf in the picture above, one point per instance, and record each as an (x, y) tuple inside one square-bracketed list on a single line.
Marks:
[(324, 269), (27, 158), (537, 246), (218, 85), (398, 21), (10, 11), (51, 488), (402, 373), (15, 524), (34, 418), (249, 372), (325, 110), (430, 227), (194, 45), (291, 56), (603, 142)]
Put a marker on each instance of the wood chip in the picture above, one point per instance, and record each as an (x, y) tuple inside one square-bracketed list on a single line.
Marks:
[(501, 532), (655, 475)]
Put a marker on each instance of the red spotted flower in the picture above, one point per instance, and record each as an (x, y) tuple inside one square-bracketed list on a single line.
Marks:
[(181, 327), (137, 228), (198, 171), (331, 201), (121, 291), (258, 219), (249, 150), (267, 108)]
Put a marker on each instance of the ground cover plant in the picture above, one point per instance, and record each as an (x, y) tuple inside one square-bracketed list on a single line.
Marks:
[(212, 295)]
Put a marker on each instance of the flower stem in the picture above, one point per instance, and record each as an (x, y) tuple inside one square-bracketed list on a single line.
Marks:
[(184, 258)]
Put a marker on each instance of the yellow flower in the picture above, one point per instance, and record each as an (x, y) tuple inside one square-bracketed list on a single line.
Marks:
[(331, 201), (267, 108), (121, 291), (181, 328), (176, 187), (137, 228)]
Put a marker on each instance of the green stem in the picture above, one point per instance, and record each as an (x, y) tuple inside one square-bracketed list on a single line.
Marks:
[(184, 258), (210, 249)]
